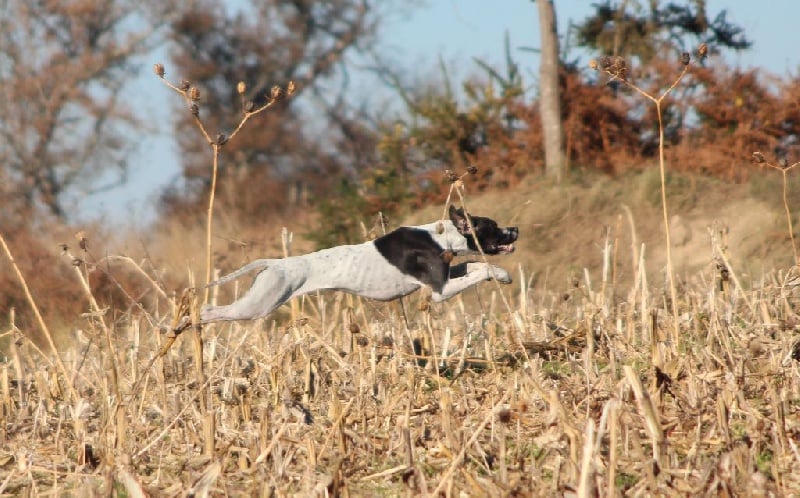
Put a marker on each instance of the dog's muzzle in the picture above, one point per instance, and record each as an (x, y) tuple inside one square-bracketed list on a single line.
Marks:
[(506, 243)]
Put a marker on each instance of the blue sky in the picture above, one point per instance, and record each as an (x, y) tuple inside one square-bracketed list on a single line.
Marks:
[(456, 30)]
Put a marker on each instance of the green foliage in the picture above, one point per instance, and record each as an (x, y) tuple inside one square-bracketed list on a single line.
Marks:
[(441, 130), (339, 215), (444, 129), (630, 29), (353, 204)]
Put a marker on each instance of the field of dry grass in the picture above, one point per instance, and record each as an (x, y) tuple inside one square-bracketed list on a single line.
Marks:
[(599, 372), (583, 388)]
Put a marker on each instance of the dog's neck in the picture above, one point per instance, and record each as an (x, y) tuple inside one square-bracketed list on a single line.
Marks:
[(446, 234)]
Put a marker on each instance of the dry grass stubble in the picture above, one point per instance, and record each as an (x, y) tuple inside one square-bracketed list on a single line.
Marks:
[(347, 400)]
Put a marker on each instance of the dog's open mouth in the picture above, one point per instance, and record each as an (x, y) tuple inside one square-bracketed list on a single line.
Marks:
[(504, 248), (500, 249)]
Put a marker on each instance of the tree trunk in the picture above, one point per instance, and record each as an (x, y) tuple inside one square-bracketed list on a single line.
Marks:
[(549, 98)]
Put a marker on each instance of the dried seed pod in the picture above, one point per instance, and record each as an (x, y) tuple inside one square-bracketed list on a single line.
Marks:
[(593, 65), (620, 67), (241, 87), (784, 163), (221, 139), (605, 62), (195, 110), (362, 340), (185, 85), (504, 415), (354, 328), (702, 50), (290, 88), (451, 176), (685, 58), (758, 157), (249, 106), (194, 94), (81, 237), (275, 92), (159, 70), (472, 169)]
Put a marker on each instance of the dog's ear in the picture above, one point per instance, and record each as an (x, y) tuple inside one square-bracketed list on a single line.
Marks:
[(459, 219)]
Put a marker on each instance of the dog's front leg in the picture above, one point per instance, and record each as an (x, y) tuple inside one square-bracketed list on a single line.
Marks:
[(466, 275)]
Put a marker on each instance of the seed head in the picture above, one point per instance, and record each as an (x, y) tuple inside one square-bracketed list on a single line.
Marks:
[(685, 58), (451, 176), (249, 106), (472, 169), (504, 415), (82, 242), (159, 70), (221, 139), (290, 88), (702, 50), (593, 65), (758, 157), (784, 163), (185, 85), (605, 62), (362, 340), (620, 67), (241, 87), (194, 94), (354, 328), (275, 92), (195, 110)]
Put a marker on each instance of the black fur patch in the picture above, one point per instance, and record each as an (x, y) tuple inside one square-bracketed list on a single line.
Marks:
[(414, 252)]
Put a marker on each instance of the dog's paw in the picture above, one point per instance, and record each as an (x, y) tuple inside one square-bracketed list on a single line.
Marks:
[(501, 275)]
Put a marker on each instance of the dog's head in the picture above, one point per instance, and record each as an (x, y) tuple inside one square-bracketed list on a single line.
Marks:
[(492, 238)]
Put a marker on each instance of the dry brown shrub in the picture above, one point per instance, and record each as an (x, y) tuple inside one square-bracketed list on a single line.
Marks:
[(739, 111), (49, 278)]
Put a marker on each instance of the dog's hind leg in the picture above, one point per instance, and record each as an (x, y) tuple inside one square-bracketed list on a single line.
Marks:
[(465, 275), (270, 289)]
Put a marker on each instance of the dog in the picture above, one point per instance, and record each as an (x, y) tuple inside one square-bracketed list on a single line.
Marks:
[(384, 269)]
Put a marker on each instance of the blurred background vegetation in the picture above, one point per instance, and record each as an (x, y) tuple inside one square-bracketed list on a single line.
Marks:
[(321, 159)]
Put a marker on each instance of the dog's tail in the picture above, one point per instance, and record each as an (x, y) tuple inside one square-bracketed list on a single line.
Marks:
[(258, 264)]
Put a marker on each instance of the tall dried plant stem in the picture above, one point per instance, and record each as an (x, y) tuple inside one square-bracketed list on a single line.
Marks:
[(458, 186), (784, 169), (621, 76), (192, 96), (210, 218), (667, 233), (789, 215), (42, 324)]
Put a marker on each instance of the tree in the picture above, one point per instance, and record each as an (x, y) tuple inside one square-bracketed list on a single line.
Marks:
[(628, 29), (650, 38), (549, 98), (63, 66), (261, 44)]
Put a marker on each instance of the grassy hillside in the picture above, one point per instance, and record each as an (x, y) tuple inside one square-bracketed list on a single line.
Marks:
[(573, 380)]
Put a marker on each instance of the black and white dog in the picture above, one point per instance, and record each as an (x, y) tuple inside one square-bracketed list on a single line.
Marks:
[(386, 268)]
